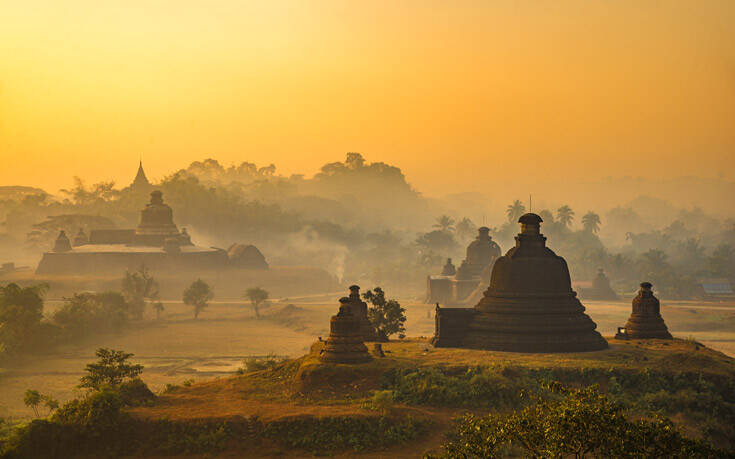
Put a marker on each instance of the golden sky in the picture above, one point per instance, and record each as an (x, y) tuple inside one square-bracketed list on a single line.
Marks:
[(453, 92)]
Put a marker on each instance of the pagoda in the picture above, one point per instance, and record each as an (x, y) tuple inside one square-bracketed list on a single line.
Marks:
[(529, 306), (345, 343), (645, 322)]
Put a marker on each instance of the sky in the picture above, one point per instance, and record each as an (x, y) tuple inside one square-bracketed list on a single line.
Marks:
[(456, 93)]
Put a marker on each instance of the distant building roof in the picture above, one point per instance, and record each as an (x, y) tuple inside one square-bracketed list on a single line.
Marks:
[(141, 181), (716, 286)]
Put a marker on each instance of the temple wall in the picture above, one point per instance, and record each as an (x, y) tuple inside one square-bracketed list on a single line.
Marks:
[(439, 290), (96, 262), (452, 325)]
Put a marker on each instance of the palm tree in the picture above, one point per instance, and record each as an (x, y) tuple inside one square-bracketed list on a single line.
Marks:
[(565, 215), (591, 222), (515, 211), (466, 229), (445, 223)]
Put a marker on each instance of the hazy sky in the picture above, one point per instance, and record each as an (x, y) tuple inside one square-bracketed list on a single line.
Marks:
[(455, 93)]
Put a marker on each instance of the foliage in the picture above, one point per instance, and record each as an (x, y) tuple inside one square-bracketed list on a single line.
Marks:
[(87, 313), (582, 423), (565, 215), (591, 222), (268, 362), (198, 294), (445, 223), (338, 433), (111, 368), (386, 315), (515, 210), (382, 400), (21, 310), (135, 392), (33, 398), (137, 287), (257, 297)]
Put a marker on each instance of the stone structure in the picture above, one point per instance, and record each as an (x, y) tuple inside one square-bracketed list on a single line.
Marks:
[(449, 269), (80, 238), (62, 243), (359, 310), (246, 256), (645, 322), (600, 290), (345, 344), (155, 243), (140, 183), (455, 287), (156, 223), (529, 306)]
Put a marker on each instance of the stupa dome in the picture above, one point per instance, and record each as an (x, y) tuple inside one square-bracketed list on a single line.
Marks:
[(481, 252), (530, 305), (156, 222)]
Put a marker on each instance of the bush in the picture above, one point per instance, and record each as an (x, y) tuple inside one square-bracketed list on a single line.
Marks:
[(582, 423), (268, 362), (135, 393)]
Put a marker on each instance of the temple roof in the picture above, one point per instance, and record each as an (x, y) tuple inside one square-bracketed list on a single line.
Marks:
[(140, 178)]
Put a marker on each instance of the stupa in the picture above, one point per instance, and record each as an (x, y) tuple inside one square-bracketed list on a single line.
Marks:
[(62, 243), (529, 306), (454, 286), (80, 238), (345, 344), (359, 310), (645, 322), (601, 289), (156, 223), (449, 269)]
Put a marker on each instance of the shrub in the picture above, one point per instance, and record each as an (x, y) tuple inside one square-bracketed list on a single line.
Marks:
[(112, 369)]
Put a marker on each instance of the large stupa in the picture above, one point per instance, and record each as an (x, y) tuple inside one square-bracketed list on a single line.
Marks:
[(529, 306)]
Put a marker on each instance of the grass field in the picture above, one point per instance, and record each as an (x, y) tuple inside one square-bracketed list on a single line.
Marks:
[(179, 348)]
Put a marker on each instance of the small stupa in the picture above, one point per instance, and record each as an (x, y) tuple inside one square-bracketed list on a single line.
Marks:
[(156, 223), (345, 343), (359, 310), (530, 305), (481, 252), (62, 243), (645, 322), (601, 289), (449, 269), (81, 238)]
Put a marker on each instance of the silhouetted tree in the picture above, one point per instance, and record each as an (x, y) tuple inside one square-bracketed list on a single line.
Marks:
[(444, 223), (257, 297), (387, 316), (137, 287), (591, 222), (466, 229), (198, 294), (515, 210), (565, 215), (21, 311), (111, 368)]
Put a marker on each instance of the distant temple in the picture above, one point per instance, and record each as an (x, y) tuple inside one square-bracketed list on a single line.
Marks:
[(140, 183), (156, 242), (529, 305), (645, 321), (600, 289), (456, 286)]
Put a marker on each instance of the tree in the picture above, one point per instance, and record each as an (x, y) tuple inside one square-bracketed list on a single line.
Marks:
[(515, 210), (387, 316), (137, 287), (32, 398), (565, 215), (546, 216), (21, 310), (582, 423), (197, 295), (111, 368), (466, 229), (257, 297), (591, 222), (158, 307), (445, 223)]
